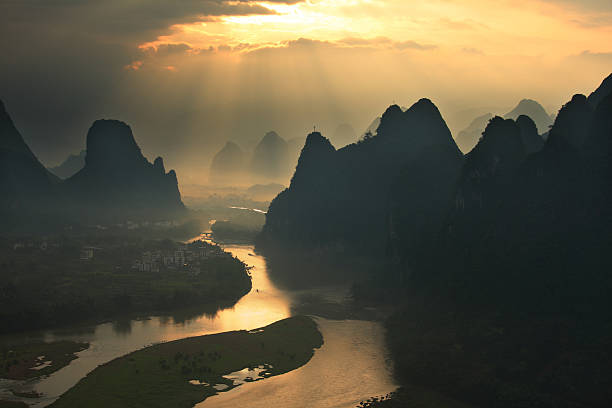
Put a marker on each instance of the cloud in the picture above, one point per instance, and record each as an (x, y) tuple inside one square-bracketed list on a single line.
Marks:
[(586, 13), (136, 19), (596, 5), (170, 49), (376, 43), (403, 45), (603, 57), (594, 21), (134, 66), (472, 50)]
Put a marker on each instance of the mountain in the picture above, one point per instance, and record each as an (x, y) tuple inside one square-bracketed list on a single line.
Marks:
[(343, 135), (25, 184), (118, 182), (523, 252), (228, 165), (294, 146), (338, 199), (524, 210), (373, 127), (535, 111), (468, 137), (70, 166), (532, 141), (271, 158), (601, 92), (572, 122)]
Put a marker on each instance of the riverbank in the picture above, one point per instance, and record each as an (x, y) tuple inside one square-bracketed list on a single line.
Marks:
[(184, 372), (63, 281)]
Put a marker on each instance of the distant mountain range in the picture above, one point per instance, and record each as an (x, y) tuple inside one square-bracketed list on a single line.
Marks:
[(116, 181), (272, 161), (412, 173), (467, 138), (228, 165), (70, 166)]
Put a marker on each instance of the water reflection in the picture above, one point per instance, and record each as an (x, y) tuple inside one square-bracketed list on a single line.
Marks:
[(349, 368), (122, 327), (265, 304)]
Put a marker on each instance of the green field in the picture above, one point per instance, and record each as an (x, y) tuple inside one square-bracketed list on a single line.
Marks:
[(160, 375), (19, 362)]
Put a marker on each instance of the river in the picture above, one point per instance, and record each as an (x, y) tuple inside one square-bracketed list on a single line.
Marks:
[(350, 366)]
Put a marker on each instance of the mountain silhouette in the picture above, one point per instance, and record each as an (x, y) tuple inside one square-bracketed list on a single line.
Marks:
[(337, 199), (468, 137), (532, 141), (535, 111), (532, 213), (372, 127), (118, 181), (271, 158), (70, 166), (228, 165), (572, 122), (601, 92), (25, 184), (524, 248)]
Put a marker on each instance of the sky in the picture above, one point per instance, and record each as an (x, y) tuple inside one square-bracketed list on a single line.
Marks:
[(188, 75)]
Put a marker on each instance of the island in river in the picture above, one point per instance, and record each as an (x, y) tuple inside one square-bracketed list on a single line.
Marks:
[(184, 372)]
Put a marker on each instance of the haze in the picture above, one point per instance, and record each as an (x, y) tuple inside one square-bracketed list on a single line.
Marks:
[(190, 75)]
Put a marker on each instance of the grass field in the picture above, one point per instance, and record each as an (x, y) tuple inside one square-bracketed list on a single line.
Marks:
[(160, 375), (29, 360)]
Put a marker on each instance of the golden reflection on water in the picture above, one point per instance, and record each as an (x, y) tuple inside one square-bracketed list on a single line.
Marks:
[(265, 304), (350, 346)]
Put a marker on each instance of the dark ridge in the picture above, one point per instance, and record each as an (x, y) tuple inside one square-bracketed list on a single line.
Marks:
[(570, 123), (110, 143), (529, 134), (601, 92), (159, 165)]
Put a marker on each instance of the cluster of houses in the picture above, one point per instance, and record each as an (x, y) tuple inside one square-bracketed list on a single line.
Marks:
[(43, 244), (185, 258)]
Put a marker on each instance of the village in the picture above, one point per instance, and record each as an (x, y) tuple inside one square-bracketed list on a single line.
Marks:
[(187, 258), (154, 257)]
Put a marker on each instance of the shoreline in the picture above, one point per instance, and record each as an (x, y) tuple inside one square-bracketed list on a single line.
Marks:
[(187, 368)]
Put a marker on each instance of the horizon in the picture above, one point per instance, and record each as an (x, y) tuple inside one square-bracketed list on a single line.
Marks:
[(187, 79)]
